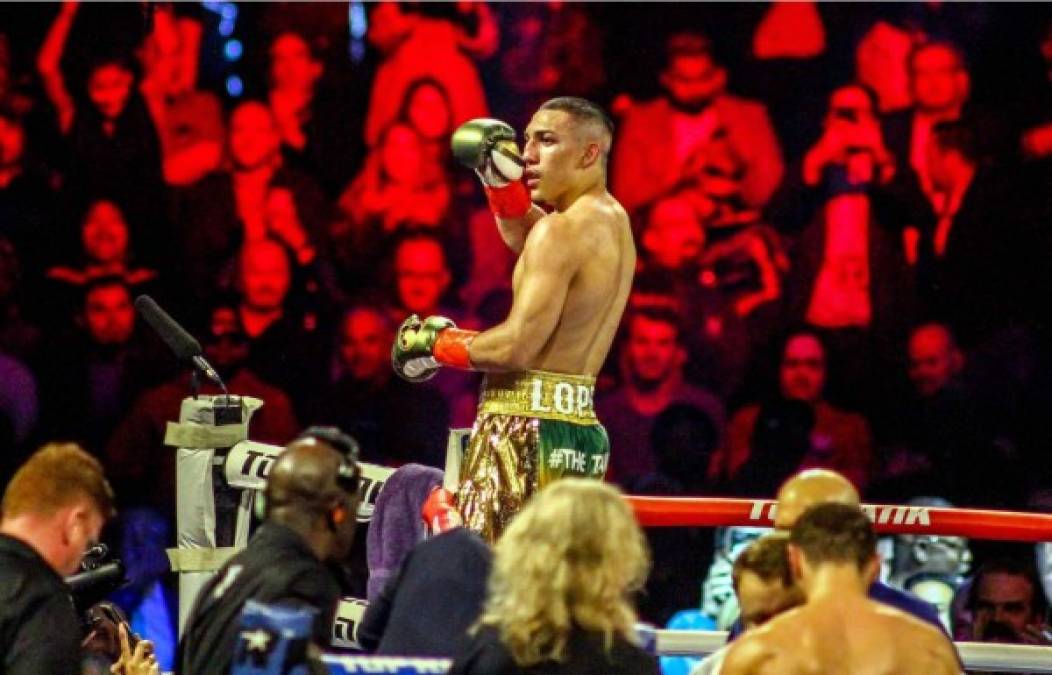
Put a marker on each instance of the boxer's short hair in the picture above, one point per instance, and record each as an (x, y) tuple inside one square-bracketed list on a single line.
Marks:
[(582, 110), (834, 533), (56, 476)]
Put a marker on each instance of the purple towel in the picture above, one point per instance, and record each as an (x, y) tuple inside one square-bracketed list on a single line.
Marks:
[(396, 525)]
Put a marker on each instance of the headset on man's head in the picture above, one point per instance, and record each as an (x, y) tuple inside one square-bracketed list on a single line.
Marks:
[(348, 476)]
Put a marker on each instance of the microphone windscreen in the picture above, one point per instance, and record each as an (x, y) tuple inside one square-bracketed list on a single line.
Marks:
[(178, 340)]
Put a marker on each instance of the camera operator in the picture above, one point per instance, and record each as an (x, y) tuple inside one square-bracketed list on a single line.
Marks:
[(53, 511), (847, 213), (311, 500), (851, 147)]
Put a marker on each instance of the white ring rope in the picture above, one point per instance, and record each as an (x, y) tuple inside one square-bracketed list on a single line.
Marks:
[(247, 465), (975, 655), (1003, 658)]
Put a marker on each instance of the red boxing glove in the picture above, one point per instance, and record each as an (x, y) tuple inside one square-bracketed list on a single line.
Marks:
[(452, 347), (509, 201), (439, 512)]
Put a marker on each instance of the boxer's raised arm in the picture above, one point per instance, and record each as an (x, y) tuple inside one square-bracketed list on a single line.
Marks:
[(488, 147), (549, 261), (514, 230)]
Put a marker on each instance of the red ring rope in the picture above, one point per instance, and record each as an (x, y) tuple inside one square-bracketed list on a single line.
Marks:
[(973, 523)]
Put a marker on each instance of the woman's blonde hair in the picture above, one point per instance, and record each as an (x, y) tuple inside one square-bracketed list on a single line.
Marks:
[(571, 558)]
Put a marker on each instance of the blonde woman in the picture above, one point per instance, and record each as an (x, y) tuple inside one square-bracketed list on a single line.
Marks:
[(559, 597)]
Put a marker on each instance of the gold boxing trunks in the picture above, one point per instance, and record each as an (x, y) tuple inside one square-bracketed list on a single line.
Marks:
[(532, 428)]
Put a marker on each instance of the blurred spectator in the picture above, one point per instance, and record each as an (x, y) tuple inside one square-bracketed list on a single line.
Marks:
[(683, 438), (422, 281), (585, 529), (257, 198), (429, 40), (1036, 139), (319, 125), (663, 143), (402, 184), (491, 266), (189, 120), (428, 109), (794, 430), (142, 467), (554, 49), (26, 199), (975, 260), (718, 286), (422, 277), (789, 30), (940, 85), (1007, 605), (8, 79), (106, 250), (91, 377), (881, 59), (18, 404), (932, 567), (18, 336), (652, 360), (394, 421), (938, 424), (718, 199), (936, 362), (849, 277), (113, 147), (285, 344), (673, 236), (844, 242)]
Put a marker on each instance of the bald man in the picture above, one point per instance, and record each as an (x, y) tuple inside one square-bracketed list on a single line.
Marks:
[(822, 486), (311, 500), (935, 358), (833, 558)]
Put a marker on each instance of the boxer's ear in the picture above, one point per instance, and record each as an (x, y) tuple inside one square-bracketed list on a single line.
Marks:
[(592, 154)]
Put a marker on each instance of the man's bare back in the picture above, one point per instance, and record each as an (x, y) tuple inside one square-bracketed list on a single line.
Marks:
[(596, 243), (843, 636)]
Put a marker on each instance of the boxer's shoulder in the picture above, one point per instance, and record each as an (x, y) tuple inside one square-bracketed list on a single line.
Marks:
[(753, 652)]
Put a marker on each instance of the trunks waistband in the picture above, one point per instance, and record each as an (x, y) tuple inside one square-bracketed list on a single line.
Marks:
[(536, 393)]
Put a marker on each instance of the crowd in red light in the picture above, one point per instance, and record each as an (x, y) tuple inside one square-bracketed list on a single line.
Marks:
[(846, 274)]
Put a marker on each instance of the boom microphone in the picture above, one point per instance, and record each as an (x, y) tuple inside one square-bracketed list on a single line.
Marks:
[(185, 347)]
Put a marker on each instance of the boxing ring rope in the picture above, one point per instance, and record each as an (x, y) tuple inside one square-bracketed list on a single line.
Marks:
[(975, 656), (243, 465), (887, 519)]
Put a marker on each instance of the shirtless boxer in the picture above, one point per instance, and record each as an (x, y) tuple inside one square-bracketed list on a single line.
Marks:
[(832, 554), (536, 421), (821, 486)]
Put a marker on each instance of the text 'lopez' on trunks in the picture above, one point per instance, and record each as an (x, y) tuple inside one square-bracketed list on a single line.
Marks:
[(532, 428), (535, 393)]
